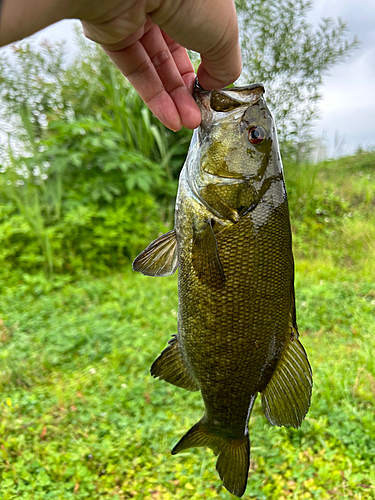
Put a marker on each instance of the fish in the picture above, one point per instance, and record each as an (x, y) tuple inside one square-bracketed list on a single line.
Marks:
[(237, 333)]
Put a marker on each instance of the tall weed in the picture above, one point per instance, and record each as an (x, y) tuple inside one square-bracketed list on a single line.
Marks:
[(88, 154)]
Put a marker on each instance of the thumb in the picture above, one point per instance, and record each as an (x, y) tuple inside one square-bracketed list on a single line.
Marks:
[(209, 27)]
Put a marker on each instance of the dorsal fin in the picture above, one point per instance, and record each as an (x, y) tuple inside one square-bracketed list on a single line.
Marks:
[(286, 398)]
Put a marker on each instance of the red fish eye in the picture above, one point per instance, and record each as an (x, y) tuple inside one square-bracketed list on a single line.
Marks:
[(257, 135)]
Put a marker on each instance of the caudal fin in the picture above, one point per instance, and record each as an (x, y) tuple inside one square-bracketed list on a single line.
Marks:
[(234, 455), (233, 464)]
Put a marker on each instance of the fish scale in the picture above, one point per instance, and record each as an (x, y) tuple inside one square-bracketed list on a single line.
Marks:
[(239, 313), (237, 334)]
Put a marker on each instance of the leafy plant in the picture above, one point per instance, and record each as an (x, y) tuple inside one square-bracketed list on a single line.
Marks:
[(89, 147)]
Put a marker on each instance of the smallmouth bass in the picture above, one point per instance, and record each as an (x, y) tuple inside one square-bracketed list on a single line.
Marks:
[(237, 334)]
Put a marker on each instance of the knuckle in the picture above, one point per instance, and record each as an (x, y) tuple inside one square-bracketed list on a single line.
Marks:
[(139, 70), (160, 58)]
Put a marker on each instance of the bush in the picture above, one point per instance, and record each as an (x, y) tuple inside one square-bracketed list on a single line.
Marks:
[(88, 176)]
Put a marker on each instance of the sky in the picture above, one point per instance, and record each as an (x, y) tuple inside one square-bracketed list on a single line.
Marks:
[(347, 109)]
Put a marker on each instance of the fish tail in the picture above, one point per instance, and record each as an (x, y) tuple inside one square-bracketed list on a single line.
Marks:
[(234, 455), (233, 464)]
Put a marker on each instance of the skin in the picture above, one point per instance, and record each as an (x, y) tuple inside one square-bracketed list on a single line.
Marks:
[(147, 41), (236, 320)]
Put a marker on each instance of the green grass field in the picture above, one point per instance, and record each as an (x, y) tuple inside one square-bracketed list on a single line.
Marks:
[(82, 418)]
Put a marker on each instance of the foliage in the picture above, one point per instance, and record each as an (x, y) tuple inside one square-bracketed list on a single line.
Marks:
[(283, 50), (82, 418), (86, 167), (31, 88), (86, 180), (88, 173), (332, 211)]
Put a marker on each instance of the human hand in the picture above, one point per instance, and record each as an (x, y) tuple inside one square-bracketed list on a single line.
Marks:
[(147, 41)]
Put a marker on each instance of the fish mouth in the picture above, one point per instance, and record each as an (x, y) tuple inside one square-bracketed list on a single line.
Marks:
[(225, 100), (198, 87)]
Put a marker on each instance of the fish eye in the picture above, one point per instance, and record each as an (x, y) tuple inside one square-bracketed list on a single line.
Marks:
[(257, 135)]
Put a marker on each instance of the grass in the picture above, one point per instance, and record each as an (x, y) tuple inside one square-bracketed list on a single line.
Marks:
[(82, 418)]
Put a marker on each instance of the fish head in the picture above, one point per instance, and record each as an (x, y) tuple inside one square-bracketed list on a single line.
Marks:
[(237, 149)]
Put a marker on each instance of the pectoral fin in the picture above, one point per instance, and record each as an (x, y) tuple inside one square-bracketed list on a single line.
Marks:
[(170, 366), (286, 398), (214, 195), (160, 258), (205, 256)]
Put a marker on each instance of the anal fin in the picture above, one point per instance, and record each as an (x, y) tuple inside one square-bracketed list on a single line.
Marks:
[(170, 366), (160, 258), (286, 398)]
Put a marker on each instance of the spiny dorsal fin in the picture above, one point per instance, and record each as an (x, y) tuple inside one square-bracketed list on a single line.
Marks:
[(205, 256), (234, 455), (170, 366), (160, 258), (286, 398)]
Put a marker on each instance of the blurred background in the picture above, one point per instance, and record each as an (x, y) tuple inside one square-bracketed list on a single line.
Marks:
[(88, 178)]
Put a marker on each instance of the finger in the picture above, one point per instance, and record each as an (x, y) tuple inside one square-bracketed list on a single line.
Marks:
[(182, 61), (164, 62), (137, 66), (113, 36), (221, 65), (210, 28)]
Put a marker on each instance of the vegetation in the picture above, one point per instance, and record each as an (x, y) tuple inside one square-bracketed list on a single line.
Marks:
[(87, 174), (80, 141), (82, 418), (87, 178)]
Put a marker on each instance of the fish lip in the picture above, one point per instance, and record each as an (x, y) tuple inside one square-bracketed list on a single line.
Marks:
[(203, 98), (250, 86), (198, 90)]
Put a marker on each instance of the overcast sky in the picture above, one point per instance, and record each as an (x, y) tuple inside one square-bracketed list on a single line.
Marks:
[(348, 105)]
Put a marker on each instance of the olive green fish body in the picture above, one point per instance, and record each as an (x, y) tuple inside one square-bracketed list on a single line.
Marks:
[(231, 335), (237, 334)]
